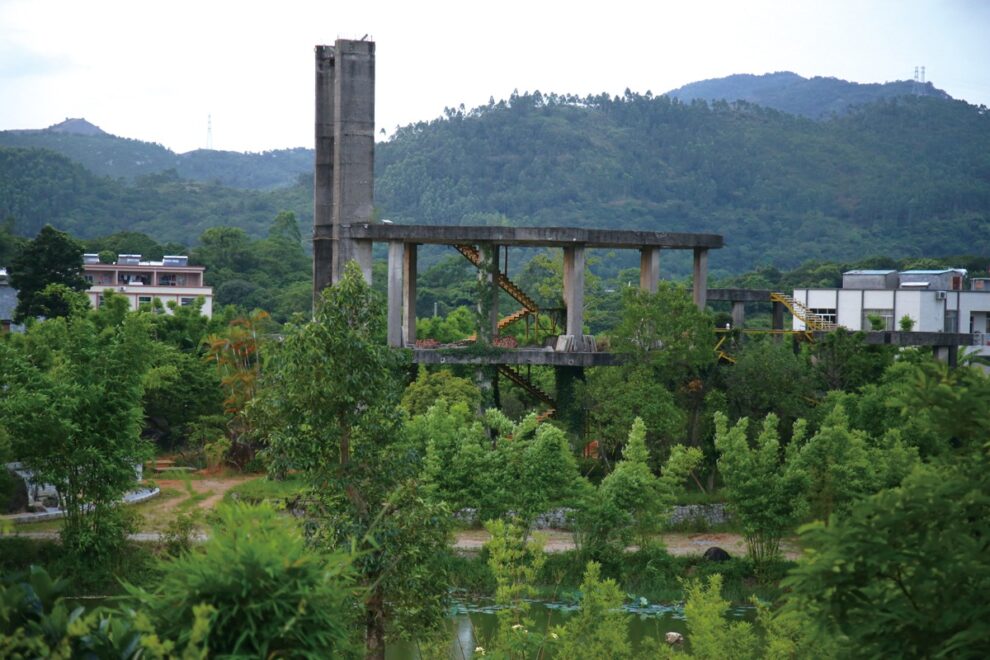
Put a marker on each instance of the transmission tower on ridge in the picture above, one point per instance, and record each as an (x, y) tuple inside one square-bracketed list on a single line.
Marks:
[(209, 131)]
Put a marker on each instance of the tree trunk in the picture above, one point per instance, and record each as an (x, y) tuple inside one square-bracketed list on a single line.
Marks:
[(374, 627)]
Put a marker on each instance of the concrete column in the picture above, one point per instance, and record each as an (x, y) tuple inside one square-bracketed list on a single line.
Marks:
[(394, 314), (778, 318), (488, 304), (649, 269), (353, 149), (700, 277), (574, 290), (409, 295), (947, 354), (323, 172), (738, 313)]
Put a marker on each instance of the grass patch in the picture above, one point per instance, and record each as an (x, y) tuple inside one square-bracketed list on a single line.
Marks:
[(264, 489)]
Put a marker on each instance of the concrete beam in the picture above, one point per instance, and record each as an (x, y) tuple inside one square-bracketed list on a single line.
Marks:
[(895, 338), (738, 295), (394, 299), (533, 236), (409, 294), (700, 277), (649, 269), (574, 289), (535, 356)]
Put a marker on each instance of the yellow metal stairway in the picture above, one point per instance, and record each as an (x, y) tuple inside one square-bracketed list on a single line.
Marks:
[(800, 311), (473, 255), (526, 384)]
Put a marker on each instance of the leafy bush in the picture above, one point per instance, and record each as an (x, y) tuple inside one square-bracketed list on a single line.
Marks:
[(270, 593)]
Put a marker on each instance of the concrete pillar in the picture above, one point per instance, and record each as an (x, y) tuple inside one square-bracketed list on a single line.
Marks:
[(409, 295), (649, 269), (947, 354), (574, 290), (323, 172), (395, 290), (700, 277), (488, 303), (738, 313), (353, 117), (778, 318)]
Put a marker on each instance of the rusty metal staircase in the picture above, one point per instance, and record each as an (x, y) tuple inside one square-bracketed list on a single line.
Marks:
[(800, 311), (529, 306), (527, 385)]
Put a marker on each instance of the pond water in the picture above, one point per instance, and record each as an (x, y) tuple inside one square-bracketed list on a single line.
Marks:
[(472, 624)]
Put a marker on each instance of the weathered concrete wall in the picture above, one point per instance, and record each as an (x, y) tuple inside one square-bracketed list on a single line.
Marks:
[(343, 190)]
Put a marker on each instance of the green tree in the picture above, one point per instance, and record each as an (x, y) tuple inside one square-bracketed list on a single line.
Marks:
[(430, 387), (72, 407), (768, 378), (272, 595), (328, 403), (838, 465), (905, 572), (643, 498), (53, 257), (599, 629), (765, 496)]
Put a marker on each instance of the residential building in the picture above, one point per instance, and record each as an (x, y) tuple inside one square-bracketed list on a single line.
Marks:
[(934, 300), (8, 304), (170, 280)]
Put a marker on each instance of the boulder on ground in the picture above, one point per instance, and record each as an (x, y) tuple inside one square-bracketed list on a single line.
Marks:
[(674, 638), (716, 553)]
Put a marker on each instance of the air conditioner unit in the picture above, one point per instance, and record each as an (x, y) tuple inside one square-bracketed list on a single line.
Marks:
[(940, 295)]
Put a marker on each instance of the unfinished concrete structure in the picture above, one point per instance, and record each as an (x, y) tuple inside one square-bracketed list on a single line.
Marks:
[(344, 173), (573, 348)]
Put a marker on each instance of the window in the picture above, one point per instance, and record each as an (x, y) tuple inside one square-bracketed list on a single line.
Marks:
[(186, 302), (886, 314), (166, 279), (827, 314), (951, 320), (88, 278), (144, 300)]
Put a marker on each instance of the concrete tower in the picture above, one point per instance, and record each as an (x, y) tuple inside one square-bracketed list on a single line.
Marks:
[(344, 179)]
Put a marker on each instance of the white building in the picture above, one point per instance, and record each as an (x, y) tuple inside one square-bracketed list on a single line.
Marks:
[(933, 299), (170, 280)]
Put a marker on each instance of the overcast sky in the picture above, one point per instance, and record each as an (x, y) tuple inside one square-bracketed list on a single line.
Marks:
[(156, 70)]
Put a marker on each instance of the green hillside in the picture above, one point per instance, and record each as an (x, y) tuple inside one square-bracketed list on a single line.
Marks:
[(38, 187), (905, 177), (117, 157), (909, 176)]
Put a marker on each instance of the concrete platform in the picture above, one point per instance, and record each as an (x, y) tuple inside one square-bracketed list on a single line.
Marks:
[(524, 236), (533, 356)]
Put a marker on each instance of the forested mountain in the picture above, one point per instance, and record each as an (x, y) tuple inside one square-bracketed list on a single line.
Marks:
[(816, 98), (902, 177), (117, 157), (39, 187)]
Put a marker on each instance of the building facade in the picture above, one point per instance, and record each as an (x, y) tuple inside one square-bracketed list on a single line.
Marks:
[(142, 282), (934, 300)]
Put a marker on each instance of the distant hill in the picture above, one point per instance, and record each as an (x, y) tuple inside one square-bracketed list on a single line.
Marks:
[(116, 157), (38, 186), (902, 176), (816, 98)]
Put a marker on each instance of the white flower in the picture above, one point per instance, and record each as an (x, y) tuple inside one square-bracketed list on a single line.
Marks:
[(480, 650), (554, 636), (517, 626)]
